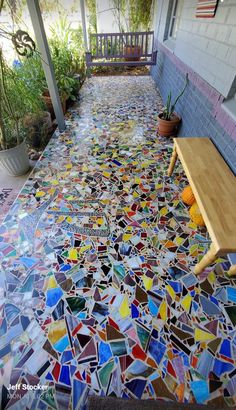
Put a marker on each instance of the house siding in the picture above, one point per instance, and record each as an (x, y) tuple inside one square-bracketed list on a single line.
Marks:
[(208, 45), (201, 105)]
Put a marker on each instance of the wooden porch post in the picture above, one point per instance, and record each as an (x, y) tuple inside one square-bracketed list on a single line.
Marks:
[(83, 16), (41, 39)]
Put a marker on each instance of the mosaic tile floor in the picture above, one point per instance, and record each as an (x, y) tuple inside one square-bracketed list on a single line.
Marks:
[(98, 294)]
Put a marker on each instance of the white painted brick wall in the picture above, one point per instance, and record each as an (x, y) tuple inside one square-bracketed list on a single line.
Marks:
[(207, 45)]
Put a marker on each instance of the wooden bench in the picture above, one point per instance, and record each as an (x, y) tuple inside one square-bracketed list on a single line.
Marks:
[(214, 187), (132, 49)]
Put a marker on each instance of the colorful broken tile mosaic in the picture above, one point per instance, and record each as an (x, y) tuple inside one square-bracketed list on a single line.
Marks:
[(98, 294)]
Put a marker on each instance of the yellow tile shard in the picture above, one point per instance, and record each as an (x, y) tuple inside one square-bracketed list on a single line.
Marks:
[(171, 291), (124, 308), (147, 282), (211, 277), (126, 236), (163, 310), (56, 331), (73, 255), (186, 303), (202, 336), (51, 283), (39, 194)]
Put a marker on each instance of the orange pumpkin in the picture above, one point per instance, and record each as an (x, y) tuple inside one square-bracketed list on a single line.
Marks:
[(187, 196), (196, 215)]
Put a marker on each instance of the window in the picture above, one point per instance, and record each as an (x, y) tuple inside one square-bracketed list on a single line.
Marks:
[(175, 8), (229, 105)]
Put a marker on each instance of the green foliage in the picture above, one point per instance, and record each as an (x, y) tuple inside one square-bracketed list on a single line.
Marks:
[(136, 14), (61, 32), (30, 71), (120, 10), (16, 101), (21, 87), (169, 108), (66, 46), (140, 14), (78, 52), (60, 6), (62, 62), (91, 4), (48, 6)]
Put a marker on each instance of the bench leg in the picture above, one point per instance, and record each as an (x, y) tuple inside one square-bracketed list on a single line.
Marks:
[(207, 259), (172, 161), (232, 270), (88, 72)]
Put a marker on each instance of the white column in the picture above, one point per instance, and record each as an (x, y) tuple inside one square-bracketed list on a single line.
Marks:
[(41, 39), (83, 16)]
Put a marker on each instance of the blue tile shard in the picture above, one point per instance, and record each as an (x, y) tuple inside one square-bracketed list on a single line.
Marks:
[(98, 290)]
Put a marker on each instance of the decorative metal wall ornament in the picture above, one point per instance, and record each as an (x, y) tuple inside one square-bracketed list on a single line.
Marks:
[(206, 9), (23, 43)]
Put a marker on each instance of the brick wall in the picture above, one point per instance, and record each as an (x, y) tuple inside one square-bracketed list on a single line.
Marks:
[(200, 106)]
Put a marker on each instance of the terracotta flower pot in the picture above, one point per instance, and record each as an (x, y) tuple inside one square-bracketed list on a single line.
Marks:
[(63, 103), (168, 128), (133, 53), (47, 99), (37, 126), (48, 102)]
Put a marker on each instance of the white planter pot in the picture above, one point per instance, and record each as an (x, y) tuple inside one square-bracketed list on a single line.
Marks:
[(15, 161)]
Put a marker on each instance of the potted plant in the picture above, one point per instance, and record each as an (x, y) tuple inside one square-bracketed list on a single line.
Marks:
[(37, 120), (168, 120), (18, 100), (38, 126), (133, 52), (31, 71), (13, 154), (64, 46)]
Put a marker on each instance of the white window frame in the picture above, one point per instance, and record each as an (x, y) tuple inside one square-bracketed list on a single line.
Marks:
[(173, 19)]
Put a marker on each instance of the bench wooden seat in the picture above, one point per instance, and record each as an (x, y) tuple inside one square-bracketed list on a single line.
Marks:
[(214, 187), (120, 49)]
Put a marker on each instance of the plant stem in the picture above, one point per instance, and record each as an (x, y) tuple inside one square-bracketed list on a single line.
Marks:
[(2, 128), (180, 95), (7, 101)]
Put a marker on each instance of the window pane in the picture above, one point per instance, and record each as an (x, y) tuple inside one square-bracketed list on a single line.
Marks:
[(174, 24)]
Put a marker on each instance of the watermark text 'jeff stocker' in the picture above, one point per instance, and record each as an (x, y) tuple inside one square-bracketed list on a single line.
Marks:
[(24, 386)]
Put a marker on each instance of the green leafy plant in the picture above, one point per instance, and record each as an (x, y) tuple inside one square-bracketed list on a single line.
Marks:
[(18, 92), (133, 15), (66, 46), (170, 107), (140, 14), (30, 71), (17, 100), (62, 63), (91, 4)]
